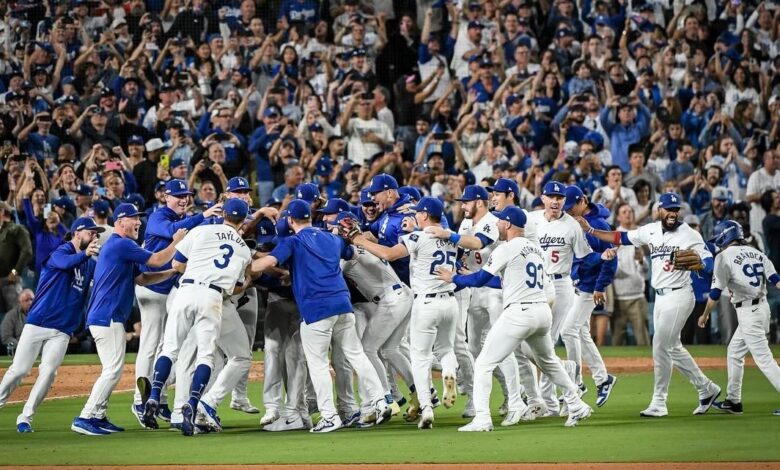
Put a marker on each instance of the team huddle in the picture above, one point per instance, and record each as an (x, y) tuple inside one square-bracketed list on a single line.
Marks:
[(381, 291)]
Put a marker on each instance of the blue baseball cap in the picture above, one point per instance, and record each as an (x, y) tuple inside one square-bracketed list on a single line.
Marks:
[(235, 207), (84, 190), (64, 202), (85, 223), (573, 196), (473, 193), (335, 206), (265, 231), (137, 200), (514, 215), (324, 167), (176, 187), (431, 205), (126, 210), (413, 193), (283, 227), (135, 140), (342, 216), (100, 207), (670, 201), (365, 197), (382, 182), (537, 202), (308, 192), (554, 188), (237, 184), (177, 162), (299, 209), (505, 185), (272, 111)]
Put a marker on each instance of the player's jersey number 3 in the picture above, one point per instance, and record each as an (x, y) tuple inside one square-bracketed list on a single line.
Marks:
[(223, 263)]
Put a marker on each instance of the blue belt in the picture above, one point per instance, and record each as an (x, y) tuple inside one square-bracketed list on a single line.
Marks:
[(210, 286), (431, 296), (377, 298), (667, 290), (559, 276), (746, 302)]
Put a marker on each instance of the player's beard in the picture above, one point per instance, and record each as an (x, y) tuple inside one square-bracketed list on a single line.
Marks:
[(671, 221), (83, 244)]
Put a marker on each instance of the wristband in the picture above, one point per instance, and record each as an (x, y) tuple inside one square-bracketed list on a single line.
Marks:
[(454, 238), (591, 230), (617, 238)]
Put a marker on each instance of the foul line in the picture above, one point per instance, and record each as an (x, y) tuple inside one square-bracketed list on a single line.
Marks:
[(65, 397)]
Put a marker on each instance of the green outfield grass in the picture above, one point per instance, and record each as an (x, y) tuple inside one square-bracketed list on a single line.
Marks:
[(615, 433)]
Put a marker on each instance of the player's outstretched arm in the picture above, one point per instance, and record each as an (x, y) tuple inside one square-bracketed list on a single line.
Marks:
[(149, 277), (163, 256), (262, 264), (480, 278), (617, 238), (388, 253), (469, 242)]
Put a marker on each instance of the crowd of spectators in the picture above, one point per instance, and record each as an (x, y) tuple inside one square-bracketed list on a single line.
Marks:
[(102, 101)]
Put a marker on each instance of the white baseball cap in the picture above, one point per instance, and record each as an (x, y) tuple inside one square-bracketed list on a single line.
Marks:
[(154, 144)]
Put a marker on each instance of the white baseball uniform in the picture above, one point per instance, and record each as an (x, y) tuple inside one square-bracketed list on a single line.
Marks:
[(434, 310), (673, 304), (247, 311), (526, 317), (743, 270)]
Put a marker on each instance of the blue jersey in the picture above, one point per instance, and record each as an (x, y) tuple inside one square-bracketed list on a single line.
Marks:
[(595, 277), (62, 290), (318, 285), (387, 229), (163, 223), (112, 293)]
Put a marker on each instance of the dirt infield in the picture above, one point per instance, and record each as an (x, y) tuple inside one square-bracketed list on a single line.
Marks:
[(78, 380), (470, 466)]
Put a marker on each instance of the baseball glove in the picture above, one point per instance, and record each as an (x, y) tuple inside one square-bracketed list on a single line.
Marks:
[(349, 228), (686, 260)]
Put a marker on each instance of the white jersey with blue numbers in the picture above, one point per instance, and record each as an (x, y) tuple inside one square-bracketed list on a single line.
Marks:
[(744, 271), (371, 275), (487, 227), (520, 264), (426, 254), (560, 239), (215, 254), (662, 244)]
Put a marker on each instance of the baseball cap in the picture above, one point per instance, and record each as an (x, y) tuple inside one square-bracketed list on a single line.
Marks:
[(413, 193), (177, 162), (176, 187), (316, 127), (514, 215), (166, 87), (473, 193), (299, 209), (159, 186), (431, 205), (135, 140), (271, 111), (154, 144), (125, 210), (308, 192), (237, 184), (475, 24), (563, 33), (265, 231), (505, 185), (670, 201), (573, 196), (236, 207), (85, 223), (283, 227), (721, 193), (136, 199), (335, 206), (84, 190), (100, 207), (382, 182), (554, 188), (342, 216), (324, 167), (365, 197), (64, 202), (67, 80)]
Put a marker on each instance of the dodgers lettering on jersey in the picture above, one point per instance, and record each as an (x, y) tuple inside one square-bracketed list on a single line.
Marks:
[(486, 229), (560, 240), (426, 254), (62, 290), (662, 244), (371, 275), (215, 254), (743, 270), (520, 264)]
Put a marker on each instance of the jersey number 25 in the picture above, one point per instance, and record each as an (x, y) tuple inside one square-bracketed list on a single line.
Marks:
[(443, 258)]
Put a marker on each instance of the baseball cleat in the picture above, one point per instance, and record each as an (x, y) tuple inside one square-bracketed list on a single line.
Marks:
[(583, 389), (383, 411), (107, 425), (149, 420), (138, 412), (175, 426), (435, 402), (654, 411), (353, 419), (776, 412), (603, 390), (394, 409), (210, 415), (564, 411), (580, 414), (269, 417), (164, 413), (450, 391), (24, 427), (413, 412), (504, 408), (468, 410), (706, 403), (327, 425), (514, 417), (476, 426), (244, 406), (87, 427), (728, 406), (426, 419), (188, 423), (287, 423), (538, 410)]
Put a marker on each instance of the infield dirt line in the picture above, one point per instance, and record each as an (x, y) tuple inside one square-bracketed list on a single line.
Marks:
[(465, 466)]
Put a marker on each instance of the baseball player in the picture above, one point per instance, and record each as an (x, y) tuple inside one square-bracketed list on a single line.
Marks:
[(323, 301), (434, 310), (744, 271), (675, 299), (110, 302), (478, 233), (526, 317), (152, 299), (53, 317), (591, 283), (212, 260)]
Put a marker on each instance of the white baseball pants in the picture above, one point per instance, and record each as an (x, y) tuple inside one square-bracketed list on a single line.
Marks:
[(52, 345), (196, 309), (520, 322), (669, 315), (433, 324), (751, 337), (564, 296), (248, 315), (153, 312), (575, 333), (281, 322), (233, 342), (316, 339), (463, 356), (110, 344)]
